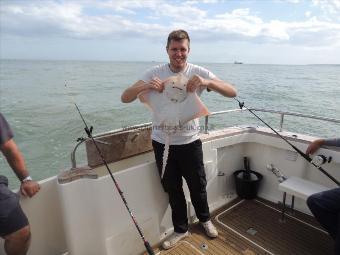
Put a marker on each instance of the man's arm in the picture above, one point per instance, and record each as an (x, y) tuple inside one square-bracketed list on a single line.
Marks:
[(17, 163), (219, 86), (222, 87), (315, 145), (131, 93), (15, 159)]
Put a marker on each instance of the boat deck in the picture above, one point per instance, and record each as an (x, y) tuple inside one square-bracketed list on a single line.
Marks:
[(250, 227)]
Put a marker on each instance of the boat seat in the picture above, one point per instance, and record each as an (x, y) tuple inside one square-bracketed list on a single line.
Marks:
[(298, 187)]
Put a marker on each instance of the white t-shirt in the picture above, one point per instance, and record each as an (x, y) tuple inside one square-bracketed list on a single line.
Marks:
[(189, 132)]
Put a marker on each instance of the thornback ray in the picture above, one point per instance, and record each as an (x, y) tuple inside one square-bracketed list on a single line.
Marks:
[(173, 108)]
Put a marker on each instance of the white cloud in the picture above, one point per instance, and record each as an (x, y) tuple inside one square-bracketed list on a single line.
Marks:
[(123, 19), (293, 1), (203, 1), (181, 10), (128, 7), (330, 9)]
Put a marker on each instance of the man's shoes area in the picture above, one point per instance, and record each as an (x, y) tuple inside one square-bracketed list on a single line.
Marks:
[(210, 229), (174, 239)]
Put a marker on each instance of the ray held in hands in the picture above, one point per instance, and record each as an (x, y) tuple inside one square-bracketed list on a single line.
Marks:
[(173, 108)]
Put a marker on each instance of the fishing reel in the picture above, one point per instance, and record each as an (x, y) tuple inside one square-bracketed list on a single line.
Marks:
[(319, 160)]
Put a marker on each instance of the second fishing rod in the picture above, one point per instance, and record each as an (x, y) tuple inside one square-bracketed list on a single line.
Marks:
[(305, 156), (89, 134)]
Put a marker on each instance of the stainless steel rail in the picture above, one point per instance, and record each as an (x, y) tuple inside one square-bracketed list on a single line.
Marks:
[(206, 123), (281, 113)]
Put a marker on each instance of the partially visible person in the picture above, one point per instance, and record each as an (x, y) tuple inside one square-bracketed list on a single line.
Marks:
[(325, 205), (14, 225)]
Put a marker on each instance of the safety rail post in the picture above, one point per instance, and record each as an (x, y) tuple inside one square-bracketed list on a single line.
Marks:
[(206, 121), (73, 154), (281, 121)]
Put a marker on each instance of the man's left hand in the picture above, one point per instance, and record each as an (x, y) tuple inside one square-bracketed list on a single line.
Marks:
[(195, 82), (29, 188)]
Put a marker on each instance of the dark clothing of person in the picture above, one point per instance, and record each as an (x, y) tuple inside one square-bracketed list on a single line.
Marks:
[(185, 160), (12, 218), (325, 206), (8, 199), (332, 142)]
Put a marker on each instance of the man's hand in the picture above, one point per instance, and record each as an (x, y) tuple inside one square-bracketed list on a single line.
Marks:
[(29, 188), (314, 146), (156, 84), (195, 82)]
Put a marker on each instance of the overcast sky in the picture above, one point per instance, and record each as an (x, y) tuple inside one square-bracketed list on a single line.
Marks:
[(263, 31)]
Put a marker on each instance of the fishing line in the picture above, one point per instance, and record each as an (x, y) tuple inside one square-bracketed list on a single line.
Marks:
[(305, 156), (89, 134)]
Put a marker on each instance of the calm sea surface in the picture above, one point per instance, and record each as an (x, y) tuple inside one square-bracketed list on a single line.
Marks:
[(39, 108)]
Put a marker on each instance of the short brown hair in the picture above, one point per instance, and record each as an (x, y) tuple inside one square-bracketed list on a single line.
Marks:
[(178, 35)]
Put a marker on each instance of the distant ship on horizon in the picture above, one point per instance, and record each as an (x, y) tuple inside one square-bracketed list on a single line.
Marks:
[(238, 63)]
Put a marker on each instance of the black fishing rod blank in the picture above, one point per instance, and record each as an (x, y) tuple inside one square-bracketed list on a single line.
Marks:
[(89, 134), (305, 156)]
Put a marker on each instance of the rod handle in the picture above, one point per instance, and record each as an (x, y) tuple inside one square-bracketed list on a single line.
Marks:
[(148, 248)]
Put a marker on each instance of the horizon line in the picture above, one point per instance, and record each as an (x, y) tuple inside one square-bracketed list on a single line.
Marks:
[(157, 61)]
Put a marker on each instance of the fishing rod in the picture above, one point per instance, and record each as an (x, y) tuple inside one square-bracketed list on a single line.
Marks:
[(89, 134), (305, 156)]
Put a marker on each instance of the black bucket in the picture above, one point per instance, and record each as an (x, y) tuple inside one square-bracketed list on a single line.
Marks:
[(247, 182)]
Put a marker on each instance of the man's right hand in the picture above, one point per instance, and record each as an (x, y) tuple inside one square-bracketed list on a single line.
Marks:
[(314, 146), (156, 84), (29, 188)]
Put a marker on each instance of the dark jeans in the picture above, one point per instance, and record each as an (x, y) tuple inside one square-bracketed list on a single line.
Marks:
[(184, 161), (326, 208)]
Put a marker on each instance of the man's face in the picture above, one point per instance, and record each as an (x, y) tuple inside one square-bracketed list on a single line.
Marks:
[(178, 52)]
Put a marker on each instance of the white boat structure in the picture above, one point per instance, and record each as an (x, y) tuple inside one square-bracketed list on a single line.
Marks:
[(85, 216)]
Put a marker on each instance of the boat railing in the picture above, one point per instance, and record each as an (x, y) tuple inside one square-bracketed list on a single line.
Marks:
[(281, 113), (206, 125)]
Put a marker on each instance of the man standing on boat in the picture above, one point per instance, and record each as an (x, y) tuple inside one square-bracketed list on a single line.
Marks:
[(325, 205), (186, 156), (14, 226)]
